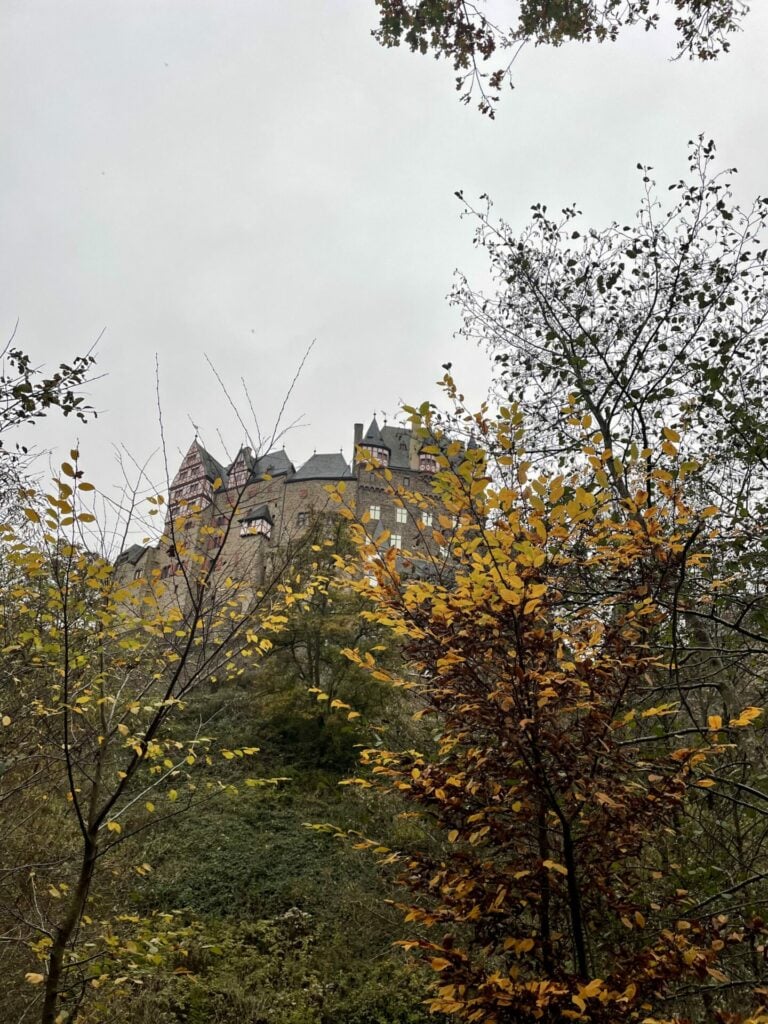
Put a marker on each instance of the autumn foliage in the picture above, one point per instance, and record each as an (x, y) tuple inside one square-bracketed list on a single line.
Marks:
[(536, 622), (96, 673)]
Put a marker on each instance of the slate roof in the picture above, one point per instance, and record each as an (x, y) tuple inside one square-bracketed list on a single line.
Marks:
[(248, 458), (324, 467), (132, 554), (213, 468), (372, 437), (274, 463), (395, 438), (261, 512)]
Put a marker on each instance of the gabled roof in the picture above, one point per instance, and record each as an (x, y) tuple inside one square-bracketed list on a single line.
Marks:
[(132, 554), (324, 467), (246, 455), (261, 512), (274, 463), (212, 467)]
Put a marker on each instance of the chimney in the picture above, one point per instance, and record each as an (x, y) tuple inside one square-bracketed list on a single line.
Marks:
[(358, 442)]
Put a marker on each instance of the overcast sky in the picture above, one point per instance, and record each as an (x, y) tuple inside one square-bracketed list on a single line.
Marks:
[(237, 177)]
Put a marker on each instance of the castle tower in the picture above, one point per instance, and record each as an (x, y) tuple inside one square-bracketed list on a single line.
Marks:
[(374, 442)]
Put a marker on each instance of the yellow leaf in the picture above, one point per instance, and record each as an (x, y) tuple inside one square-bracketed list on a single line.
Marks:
[(520, 945), (591, 989), (747, 716), (150, 806), (173, 795), (714, 721), (6, 720), (439, 963), (552, 865), (670, 434), (34, 979), (114, 826)]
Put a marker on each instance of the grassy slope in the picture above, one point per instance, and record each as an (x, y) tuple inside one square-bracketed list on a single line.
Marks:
[(303, 932)]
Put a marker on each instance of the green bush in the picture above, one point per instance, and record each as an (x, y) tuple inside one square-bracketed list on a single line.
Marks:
[(272, 972)]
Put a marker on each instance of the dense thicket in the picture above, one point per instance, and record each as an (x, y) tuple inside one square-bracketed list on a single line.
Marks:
[(594, 661)]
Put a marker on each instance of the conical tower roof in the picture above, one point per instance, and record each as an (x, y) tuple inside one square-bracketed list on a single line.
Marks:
[(373, 437)]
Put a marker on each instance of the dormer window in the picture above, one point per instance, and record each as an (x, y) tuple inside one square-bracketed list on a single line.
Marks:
[(257, 523), (255, 529), (427, 463)]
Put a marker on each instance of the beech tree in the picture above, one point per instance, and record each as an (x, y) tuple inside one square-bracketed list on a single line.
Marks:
[(659, 323), (564, 877), (472, 39)]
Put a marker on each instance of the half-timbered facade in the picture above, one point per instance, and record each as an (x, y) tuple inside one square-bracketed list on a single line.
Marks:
[(233, 516)]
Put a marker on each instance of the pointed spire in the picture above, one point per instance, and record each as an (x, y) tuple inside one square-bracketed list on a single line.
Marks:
[(373, 437)]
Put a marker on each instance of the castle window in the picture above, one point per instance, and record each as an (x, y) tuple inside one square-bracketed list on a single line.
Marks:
[(256, 528), (381, 455), (426, 518), (138, 573), (302, 519), (258, 523), (396, 540), (406, 481), (401, 515), (375, 511), (427, 463)]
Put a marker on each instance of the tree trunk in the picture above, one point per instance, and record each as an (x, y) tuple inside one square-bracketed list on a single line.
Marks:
[(65, 931)]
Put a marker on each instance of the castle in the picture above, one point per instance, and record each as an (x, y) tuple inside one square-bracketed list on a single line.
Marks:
[(259, 504)]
